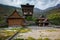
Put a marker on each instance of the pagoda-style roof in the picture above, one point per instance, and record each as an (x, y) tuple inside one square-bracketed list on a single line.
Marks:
[(27, 5), (42, 19), (15, 14)]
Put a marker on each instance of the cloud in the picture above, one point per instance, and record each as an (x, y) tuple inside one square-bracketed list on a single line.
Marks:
[(41, 4)]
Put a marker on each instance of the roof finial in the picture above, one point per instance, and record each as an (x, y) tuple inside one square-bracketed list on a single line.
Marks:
[(27, 4)]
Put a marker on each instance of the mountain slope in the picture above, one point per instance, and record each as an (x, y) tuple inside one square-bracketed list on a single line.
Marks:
[(6, 10)]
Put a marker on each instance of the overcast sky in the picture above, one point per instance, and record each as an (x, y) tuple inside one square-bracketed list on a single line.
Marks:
[(41, 4)]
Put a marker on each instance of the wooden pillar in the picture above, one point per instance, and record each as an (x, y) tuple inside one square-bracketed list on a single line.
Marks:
[(43, 24)]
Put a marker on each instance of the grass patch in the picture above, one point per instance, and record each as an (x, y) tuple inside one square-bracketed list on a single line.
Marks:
[(19, 39), (46, 39), (52, 30), (4, 34), (25, 30), (39, 39), (31, 38), (21, 30)]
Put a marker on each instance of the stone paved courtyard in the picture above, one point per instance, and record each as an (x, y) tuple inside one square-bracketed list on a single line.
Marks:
[(41, 32)]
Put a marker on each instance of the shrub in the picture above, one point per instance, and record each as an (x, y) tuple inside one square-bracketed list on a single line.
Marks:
[(52, 30), (4, 26), (18, 39), (24, 30), (46, 39), (30, 38), (39, 39)]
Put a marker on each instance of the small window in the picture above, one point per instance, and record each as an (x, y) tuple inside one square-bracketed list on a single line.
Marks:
[(25, 13), (30, 13)]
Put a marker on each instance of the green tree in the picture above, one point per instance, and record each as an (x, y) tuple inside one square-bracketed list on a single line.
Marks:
[(54, 18), (1, 19), (29, 18)]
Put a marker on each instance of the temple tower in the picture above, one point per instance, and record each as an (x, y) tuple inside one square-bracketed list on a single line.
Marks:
[(27, 10)]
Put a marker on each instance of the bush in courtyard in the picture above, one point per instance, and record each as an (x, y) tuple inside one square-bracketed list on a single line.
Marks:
[(46, 39), (3, 37), (3, 26), (24, 30), (39, 39), (30, 38), (52, 30), (18, 39)]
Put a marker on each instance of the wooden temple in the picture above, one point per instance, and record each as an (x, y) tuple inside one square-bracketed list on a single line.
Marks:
[(15, 19), (42, 21), (27, 10)]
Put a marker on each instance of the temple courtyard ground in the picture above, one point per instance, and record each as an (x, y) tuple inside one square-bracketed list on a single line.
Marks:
[(37, 33), (41, 32)]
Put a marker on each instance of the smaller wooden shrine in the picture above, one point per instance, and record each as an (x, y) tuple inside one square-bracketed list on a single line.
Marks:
[(15, 19), (42, 21)]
